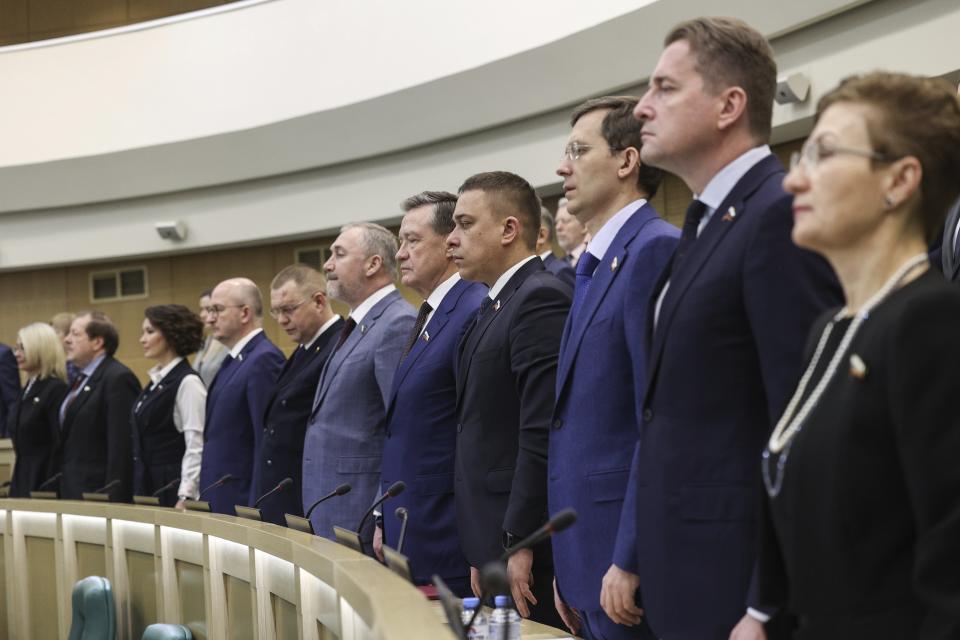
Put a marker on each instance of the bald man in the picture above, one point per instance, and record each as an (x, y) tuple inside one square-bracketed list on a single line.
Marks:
[(238, 395)]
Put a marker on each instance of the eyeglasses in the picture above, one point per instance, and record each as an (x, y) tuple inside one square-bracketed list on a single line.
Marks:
[(18, 347), (813, 153), (574, 150), (217, 309), (287, 311)]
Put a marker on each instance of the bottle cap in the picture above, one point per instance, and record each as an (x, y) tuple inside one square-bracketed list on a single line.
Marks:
[(471, 603), (502, 601)]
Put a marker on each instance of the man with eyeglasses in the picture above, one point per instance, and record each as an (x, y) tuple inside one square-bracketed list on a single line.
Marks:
[(9, 386), (237, 398), (298, 302), (603, 358), (730, 319)]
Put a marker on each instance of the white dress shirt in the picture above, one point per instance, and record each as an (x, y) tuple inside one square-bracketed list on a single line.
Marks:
[(599, 244), (242, 342), (364, 307), (437, 295), (505, 278)]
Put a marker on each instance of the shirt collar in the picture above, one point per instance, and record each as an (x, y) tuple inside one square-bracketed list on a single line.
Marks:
[(237, 348), (326, 325), (364, 307), (92, 367), (727, 178), (604, 238), (546, 254), (437, 295), (158, 373), (505, 278)]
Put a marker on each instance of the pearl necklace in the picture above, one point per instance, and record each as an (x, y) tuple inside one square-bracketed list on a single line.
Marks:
[(792, 420)]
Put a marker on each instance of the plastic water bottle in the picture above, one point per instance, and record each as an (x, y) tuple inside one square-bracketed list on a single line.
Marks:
[(504, 621), (479, 629)]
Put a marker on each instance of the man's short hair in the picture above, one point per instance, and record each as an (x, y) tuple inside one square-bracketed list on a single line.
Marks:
[(621, 131), (100, 326), (546, 220), (444, 203), (731, 53), (307, 279), (513, 196), (377, 240)]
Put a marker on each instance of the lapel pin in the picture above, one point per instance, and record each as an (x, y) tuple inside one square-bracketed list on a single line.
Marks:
[(240, 357), (496, 305), (36, 399), (363, 328), (86, 389), (614, 264), (426, 337), (858, 368), (730, 214)]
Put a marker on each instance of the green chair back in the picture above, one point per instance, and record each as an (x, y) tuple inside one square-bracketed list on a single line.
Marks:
[(94, 615)]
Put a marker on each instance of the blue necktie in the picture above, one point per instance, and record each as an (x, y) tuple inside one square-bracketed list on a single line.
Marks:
[(585, 268)]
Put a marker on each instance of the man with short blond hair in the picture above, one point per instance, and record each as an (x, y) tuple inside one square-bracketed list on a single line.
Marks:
[(238, 395)]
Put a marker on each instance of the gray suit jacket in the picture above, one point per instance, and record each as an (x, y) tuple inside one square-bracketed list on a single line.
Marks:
[(951, 263), (345, 431)]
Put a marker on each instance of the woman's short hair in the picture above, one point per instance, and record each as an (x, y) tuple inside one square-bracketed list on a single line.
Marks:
[(181, 327), (43, 351), (911, 116)]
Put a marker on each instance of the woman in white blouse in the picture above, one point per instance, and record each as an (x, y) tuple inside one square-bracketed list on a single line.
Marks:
[(168, 417)]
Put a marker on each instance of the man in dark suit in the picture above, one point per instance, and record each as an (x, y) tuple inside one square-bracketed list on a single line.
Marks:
[(730, 318), (422, 410), (298, 302), (506, 374), (603, 357), (237, 399), (9, 386), (95, 414), (347, 426), (557, 266)]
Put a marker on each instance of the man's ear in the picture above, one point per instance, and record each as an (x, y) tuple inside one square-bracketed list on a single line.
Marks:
[(511, 230), (731, 106)]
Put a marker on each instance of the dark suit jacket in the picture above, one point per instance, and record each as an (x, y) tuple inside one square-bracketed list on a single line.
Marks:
[(285, 425), (97, 445), (601, 374), (505, 396), (421, 440), (9, 386), (236, 403), (35, 430), (725, 358), (558, 267)]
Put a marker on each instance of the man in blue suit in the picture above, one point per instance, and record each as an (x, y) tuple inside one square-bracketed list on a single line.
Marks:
[(730, 318), (9, 386), (603, 357), (346, 428), (298, 302), (422, 411), (557, 266), (238, 396)]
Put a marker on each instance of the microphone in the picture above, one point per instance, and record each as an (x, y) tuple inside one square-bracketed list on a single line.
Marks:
[(169, 485), (402, 514), (556, 524), (50, 481), (339, 491), (107, 487), (224, 479), (392, 491), (286, 482)]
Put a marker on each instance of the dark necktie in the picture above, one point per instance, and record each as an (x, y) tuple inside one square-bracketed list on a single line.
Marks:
[(74, 392), (345, 332), (425, 310), (585, 268), (688, 235)]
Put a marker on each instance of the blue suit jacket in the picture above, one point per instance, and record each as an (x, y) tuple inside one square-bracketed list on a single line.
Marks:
[(725, 357), (235, 409), (421, 441), (559, 267), (345, 432), (285, 425), (601, 373), (9, 387)]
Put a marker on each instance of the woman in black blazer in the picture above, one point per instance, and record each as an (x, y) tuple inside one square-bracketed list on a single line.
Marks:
[(861, 534), (34, 425)]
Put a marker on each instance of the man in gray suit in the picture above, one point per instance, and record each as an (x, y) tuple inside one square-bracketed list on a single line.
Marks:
[(346, 428)]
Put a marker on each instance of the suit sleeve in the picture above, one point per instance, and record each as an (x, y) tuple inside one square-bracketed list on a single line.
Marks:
[(122, 389), (651, 263), (534, 348), (785, 289), (9, 387), (924, 385), (261, 384), (386, 358)]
